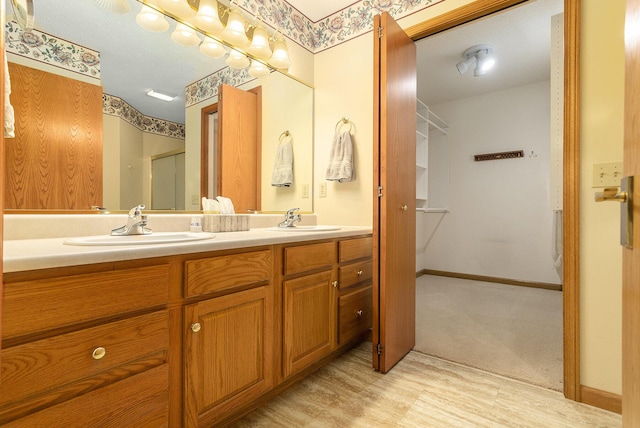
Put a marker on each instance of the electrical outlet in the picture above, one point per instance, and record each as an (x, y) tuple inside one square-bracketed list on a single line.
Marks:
[(607, 174), (323, 190), (305, 191), (195, 199)]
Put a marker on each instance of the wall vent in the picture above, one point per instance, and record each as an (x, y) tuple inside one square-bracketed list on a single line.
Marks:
[(501, 155)]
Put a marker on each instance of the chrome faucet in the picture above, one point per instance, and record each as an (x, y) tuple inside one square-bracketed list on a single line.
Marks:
[(290, 218), (135, 223)]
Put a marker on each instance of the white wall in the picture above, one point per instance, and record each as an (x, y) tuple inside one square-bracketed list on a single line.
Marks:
[(500, 220)]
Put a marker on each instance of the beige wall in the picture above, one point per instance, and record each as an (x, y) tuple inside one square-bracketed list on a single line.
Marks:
[(343, 82)]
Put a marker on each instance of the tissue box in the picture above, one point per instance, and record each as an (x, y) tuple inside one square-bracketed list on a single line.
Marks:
[(225, 222)]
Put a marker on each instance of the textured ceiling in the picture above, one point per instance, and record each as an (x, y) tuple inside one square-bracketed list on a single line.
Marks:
[(317, 10)]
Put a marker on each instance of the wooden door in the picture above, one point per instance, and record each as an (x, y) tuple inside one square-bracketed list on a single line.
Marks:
[(631, 257), (229, 354), (239, 152), (395, 210)]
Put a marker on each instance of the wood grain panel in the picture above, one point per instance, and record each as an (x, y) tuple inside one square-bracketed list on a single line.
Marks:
[(138, 401), (226, 272), (309, 320), (354, 313), (353, 249), (55, 160), (308, 257), (56, 302), (62, 361)]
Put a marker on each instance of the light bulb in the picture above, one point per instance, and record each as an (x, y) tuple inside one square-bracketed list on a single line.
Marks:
[(207, 18), (212, 48), (258, 69), (115, 6), (237, 60), (234, 32), (280, 57), (152, 20), (185, 35), (260, 43)]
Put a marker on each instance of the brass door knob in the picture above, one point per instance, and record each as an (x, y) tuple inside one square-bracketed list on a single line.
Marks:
[(404, 207), (195, 327), (335, 284), (98, 353)]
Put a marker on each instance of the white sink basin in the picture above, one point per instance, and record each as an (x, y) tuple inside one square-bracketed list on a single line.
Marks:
[(304, 229), (154, 238)]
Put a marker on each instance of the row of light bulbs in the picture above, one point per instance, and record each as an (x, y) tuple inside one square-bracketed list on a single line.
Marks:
[(207, 19)]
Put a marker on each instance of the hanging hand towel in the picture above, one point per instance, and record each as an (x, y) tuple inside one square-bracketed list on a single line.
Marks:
[(341, 159), (283, 167), (9, 118)]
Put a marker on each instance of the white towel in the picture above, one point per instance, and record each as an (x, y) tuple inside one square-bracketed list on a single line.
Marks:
[(9, 118), (341, 159), (283, 166)]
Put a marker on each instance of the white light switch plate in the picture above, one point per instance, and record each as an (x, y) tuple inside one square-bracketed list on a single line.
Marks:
[(607, 174)]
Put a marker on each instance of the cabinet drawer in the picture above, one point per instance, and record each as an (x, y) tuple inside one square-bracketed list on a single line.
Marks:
[(354, 273), (69, 364), (354, 311), (227, 272), (138, 401), (308, 257), (45, 304), (353, 249)]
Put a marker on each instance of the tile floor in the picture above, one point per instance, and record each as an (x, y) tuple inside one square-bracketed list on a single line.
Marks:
[(421, 391)]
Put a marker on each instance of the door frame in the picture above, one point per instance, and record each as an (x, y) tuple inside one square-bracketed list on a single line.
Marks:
[(571, 165)]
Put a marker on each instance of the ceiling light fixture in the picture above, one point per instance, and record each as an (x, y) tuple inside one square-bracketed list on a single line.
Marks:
[(160, 95), (482, 55)]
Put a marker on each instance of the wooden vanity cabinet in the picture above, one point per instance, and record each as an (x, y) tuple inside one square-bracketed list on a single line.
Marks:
[(229, 338), (86, 346)]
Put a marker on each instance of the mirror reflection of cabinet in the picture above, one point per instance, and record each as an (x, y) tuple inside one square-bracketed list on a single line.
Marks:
[(167, 181)]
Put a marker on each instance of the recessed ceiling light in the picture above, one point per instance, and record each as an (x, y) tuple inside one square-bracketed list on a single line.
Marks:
[(160, 95)]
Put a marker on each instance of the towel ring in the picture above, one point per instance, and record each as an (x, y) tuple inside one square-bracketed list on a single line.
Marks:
[(344, 121), (285, 134)]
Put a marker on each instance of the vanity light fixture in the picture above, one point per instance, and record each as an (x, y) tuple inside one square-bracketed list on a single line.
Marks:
[(482, 55), (178, 7), (207, 18), (235, 32), (116, 6), (185, 35), (212, 48), (237, 60), (160, 95), (152, 20), (260, 43), (258, 69), (280, 57)]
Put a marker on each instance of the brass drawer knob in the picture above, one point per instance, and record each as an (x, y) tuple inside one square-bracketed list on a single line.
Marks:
[(360, 273), (335, 284), (195, 327), (360, 313), (99, 353)]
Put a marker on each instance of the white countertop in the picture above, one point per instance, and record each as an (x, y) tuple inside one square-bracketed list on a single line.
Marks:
[(31, 254)]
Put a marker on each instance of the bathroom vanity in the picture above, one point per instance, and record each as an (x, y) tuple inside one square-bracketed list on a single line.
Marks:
[(193, 334)]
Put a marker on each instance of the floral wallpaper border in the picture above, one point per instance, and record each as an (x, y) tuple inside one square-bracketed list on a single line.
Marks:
[(51, 50), (336, 28), (116, 106), (207, 87)]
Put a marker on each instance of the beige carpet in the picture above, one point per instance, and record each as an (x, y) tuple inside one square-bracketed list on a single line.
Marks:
[(509, 330)]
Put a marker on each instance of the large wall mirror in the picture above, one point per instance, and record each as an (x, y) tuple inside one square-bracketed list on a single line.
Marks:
[(132, 61)]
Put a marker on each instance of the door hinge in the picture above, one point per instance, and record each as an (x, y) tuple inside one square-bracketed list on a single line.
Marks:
[(380, 29), (379, 349), (379, 191)]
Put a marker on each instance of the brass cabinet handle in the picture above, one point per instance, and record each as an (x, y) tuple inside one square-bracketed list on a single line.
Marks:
[(404, 207), (335, 284), (98, 353), (360, 273), (195, 327), (359, 313)]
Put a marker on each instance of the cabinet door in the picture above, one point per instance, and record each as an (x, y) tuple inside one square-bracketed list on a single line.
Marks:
[(229, 354), (309, 320)]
